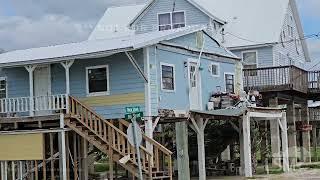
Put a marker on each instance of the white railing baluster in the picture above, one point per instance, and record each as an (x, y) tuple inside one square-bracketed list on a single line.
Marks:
[(40, 103)]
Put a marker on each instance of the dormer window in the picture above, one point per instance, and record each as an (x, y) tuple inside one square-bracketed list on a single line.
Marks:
[(171, 20)]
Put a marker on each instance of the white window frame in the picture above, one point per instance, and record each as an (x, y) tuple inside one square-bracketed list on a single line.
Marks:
[(171, 19), (225, 82), (105, 93), (3, 78), (251, 51), (174, 77), (218, 69)]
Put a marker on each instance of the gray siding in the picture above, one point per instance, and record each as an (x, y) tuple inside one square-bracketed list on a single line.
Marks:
[(289, 48), (149, 21), (265, 55)]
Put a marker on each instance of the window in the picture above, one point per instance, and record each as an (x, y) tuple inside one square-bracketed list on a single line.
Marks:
[(164, 21), (171, 20), (3, 88), (215, 69), (297, 43), (250, 62), (229, 79), (167, 77), (98, 80)]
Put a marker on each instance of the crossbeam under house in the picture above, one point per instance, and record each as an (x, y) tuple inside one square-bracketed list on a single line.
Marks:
[(199, 119)]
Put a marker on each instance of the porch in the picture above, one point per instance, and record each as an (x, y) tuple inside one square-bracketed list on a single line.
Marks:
[(282, 78)]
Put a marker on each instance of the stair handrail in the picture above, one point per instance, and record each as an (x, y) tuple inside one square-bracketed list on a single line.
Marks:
[(103, 120), (149, 140)]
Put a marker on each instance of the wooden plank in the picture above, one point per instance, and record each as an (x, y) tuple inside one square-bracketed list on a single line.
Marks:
[(44, 167)]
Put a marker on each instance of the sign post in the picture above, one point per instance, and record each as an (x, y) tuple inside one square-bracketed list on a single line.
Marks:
[(137, 144)]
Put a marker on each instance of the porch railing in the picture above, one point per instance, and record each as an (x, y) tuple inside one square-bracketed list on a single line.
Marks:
[(276, 79), (33, 104), (314, 81), (314, 114)]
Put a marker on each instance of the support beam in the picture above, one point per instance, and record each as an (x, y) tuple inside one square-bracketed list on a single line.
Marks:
[(182, 151), (67, 65), (247, 146), (31, 69), (275, 136), (285, 148), (199, 126), (306, 135), (62, 149), (292, 133), (315, 143), (85, 159), (136, 65)]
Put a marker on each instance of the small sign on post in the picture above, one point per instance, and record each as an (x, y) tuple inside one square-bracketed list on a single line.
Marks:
[(133, 111)]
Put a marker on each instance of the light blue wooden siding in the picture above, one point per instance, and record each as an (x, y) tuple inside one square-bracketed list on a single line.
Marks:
[(179, 99), (211, 84), (124, 78), (265, 55), (18, 81), (149, 21), (190, 41)]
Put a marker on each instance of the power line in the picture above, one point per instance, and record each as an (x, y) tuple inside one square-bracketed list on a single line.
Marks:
[(315, 35)]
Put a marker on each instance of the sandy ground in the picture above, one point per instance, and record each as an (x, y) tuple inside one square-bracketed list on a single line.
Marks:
[(301, 174)]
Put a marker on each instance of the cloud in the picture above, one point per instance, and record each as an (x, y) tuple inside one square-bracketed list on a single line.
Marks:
[(35, 23), (21, 32)]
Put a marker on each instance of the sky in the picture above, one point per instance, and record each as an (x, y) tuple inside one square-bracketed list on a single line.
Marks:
[(35, 23)]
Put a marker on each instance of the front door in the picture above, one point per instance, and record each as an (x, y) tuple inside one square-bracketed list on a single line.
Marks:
[(194, 86), (42, 88)]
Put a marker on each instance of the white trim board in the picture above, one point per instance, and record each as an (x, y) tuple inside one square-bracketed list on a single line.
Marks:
[(108, 81), (174, 77)]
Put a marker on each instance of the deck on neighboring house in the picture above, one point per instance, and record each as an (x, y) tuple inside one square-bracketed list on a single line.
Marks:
[(282, 78)]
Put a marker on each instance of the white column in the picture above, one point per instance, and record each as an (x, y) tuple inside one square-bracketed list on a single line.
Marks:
[(13, 170), (31, 69), (62, 149), (67, 65), (199, 127), (20, 170), (2, 170), (85, 159), (242, 165), (275, 143), (284, 138), (247, 145), (5, 170)]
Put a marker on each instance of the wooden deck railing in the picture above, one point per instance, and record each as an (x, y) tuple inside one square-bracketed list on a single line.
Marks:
[(314, 114), (110, 134), (314, 81), (33, 104), (276, 79)]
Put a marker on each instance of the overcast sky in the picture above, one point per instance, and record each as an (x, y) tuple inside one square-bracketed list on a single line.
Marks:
[(35, 23)]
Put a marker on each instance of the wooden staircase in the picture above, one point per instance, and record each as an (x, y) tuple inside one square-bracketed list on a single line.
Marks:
[(113, 141)]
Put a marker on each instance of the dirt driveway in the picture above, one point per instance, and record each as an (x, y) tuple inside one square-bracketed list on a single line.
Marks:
[(300, 174)]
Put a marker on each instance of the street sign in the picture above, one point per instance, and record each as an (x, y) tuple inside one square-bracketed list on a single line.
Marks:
[(131, 110), (131, 135), (134, 134), (138, 115)]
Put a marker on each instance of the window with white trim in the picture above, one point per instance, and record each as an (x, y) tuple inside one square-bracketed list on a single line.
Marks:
[(167, 77), (250, 62), (98, 80), (215, 69), (3, 87), (171, 20), (229, 79)]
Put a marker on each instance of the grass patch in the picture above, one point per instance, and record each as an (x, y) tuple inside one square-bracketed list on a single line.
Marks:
[(261, 171), (310, 166), (101, 167)]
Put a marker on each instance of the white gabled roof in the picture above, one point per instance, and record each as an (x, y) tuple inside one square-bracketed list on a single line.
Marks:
[(91, 49), (114, 22), (253, 21)]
